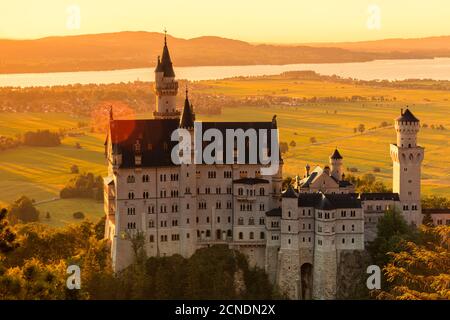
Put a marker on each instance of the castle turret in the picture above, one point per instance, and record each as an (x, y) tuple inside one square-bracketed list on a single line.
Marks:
[(336, 165), (166, 87), (407, 159), (188, 116)]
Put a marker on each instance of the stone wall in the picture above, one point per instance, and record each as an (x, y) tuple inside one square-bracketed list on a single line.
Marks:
[(324, 275), (288, 273)]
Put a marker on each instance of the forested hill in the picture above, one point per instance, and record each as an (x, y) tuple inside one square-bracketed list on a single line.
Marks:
[(125, 50)]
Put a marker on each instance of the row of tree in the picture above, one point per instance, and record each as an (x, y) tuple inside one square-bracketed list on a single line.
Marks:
[(34, 259), (85, 185)]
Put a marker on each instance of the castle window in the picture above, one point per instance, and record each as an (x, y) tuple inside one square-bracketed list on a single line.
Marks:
[(261, 221), (229, 234), (208, 233), (207, 219), (343, 227), (151, 209), (241, 221), (252, 235), (152, 238), (353, 240), (241, 236), (303, 239), (151, 224), (289, 214), (353, 227), (289, 228), (130, 179), (251, 221), (352, 213), (211, 174), (343, 240), (130, 195), (289, 241), (343, 214), (261, 191), (145, 178), (145, 195), (262, 235), (303, 212), (240, 191), (218, 219)]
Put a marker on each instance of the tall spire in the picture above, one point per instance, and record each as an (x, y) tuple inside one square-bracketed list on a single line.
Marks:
[(166, 62), (111, 118), (188, 117)]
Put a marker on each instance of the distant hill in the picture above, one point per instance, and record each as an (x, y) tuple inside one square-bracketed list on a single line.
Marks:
[(125, 50), (431, 45)]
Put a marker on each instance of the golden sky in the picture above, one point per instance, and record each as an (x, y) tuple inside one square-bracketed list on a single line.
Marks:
[(276, 21)]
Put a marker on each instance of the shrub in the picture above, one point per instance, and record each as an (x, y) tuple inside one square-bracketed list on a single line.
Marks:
[(78, 215)]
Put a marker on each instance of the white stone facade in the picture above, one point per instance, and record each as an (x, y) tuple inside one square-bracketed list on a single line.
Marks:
[(296, 236)]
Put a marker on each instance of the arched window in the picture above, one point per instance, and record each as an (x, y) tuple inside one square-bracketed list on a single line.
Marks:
[(261, 191), (130, 179)]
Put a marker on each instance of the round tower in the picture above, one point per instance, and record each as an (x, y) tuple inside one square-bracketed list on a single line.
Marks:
[(407, 159), (166, 87), (336, 165), (407, 127)]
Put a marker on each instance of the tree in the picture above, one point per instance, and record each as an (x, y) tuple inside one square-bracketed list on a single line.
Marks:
[(7, 236), (361, 128), (435, 202), (74, 169), (23, 210), (422, 270), (284, 147), (392, 234)]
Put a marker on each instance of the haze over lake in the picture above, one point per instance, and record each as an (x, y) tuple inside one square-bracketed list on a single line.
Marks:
[(436, 69)]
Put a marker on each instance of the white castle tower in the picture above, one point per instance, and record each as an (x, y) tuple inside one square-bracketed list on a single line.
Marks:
[(166, 87), (407, 159)]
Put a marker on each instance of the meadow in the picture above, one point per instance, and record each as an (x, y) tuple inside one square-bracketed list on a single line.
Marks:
[(40, 172)]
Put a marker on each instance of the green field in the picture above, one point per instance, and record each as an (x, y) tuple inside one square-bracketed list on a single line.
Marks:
[(40, 173)]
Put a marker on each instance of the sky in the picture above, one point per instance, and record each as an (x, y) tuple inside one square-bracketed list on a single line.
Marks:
[(268, 21)]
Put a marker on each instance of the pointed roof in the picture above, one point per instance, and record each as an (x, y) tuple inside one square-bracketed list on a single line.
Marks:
[(289, 193), (166, 62), (158, 65), (407, 116), (336, 154), (188, 117)]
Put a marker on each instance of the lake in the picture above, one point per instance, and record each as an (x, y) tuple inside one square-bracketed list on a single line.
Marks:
[(437, 69)]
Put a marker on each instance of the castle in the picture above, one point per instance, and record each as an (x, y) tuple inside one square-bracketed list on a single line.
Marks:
[(297, 235)]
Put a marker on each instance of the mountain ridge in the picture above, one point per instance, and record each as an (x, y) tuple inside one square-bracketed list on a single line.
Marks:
[(139, 49)]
